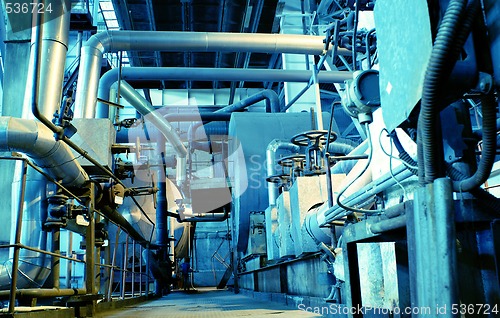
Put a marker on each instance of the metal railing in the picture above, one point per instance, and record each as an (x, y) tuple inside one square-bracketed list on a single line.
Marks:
[(143, 277)]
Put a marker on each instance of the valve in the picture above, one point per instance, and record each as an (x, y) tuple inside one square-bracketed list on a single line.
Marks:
[(313, 140), (295, 163), (57, 210)]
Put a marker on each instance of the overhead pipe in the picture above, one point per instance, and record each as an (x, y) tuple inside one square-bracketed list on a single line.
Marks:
[(207, 74), (272, 150), (171, 41), (149, 113)]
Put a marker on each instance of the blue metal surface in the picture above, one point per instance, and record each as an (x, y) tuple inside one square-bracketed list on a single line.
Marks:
[(404, 46), (250, 134)]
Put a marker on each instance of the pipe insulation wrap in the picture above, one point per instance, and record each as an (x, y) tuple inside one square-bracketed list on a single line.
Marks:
[(37, 142)]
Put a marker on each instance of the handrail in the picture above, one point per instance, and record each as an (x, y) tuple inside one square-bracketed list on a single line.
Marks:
[(17, 245)]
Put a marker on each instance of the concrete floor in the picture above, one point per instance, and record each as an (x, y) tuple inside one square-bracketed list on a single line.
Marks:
[(206, 303)]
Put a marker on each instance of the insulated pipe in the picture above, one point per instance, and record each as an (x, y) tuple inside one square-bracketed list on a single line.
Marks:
[(37, 141), (170, 41), (208, 74), (272, 102), (150, 114), (53, 49), (122, 223), (272, 149)]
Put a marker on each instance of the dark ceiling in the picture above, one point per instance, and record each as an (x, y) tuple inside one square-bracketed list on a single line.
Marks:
[(249, 16)]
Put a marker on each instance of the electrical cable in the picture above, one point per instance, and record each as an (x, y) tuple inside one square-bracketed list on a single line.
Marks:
[(409, 166), (390, 170), (365, 168)]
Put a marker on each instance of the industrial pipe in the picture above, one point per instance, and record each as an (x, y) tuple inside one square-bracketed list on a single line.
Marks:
[(207, 74), (169, 41), (150, 114), (52, 54), (270, 96), (272, 149), (37, 142)]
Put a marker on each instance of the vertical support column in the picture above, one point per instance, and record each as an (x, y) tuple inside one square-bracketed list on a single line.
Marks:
[(113, 263), (140, 270), (56, 261), (352, 285), (432, 249), (69, 252), (124, 267), (15, 261), (133, 268), (90, 281)]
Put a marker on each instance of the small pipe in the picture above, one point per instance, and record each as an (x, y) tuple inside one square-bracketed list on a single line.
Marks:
[(271, 152), (389, 224), (272, 102), (45, 292)]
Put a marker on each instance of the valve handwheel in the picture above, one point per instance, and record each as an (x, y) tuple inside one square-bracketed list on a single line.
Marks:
[(293, 160), (280, 179), (313, 137)]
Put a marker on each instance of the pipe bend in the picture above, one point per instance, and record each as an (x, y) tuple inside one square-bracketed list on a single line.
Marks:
[(101, 41)]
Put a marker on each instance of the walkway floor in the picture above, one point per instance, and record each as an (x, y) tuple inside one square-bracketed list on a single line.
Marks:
[(206, 303)]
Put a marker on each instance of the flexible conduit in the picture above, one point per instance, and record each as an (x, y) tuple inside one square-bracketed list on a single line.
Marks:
[(440, 65)]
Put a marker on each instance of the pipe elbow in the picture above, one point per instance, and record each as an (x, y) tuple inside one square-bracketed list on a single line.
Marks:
[(272, 97), (101, 41)]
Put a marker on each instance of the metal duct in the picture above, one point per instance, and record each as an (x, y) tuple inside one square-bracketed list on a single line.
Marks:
[(208, 74), (112, 41), (272, 149), (150, 114), (37, 141), (54, 47), (34, 268)]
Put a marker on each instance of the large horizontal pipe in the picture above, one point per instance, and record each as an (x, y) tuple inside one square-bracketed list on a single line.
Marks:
[(169, 41), (209, 74)]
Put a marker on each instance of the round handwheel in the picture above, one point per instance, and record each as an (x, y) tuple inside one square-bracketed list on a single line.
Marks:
[(313, 137), (278, 179), (293, 160)]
